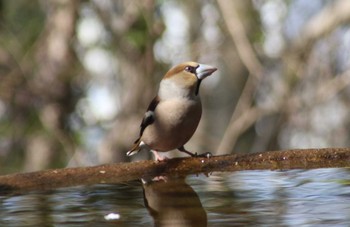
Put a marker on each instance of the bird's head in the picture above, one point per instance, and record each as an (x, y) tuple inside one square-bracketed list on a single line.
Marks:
[(184, 79)]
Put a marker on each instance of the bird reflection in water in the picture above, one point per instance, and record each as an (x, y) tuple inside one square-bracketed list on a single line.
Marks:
[(172, 202)]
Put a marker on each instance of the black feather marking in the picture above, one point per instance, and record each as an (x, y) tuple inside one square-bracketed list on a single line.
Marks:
[(149, 115), (197, 88)]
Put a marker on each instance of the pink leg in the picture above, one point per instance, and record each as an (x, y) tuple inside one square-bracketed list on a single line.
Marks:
[(158, 157), (160, 178)]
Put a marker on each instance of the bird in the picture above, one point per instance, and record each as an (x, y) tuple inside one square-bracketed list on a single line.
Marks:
[(172, 202), (173, 115)]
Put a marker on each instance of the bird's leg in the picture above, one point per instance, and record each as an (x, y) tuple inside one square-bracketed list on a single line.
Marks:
[(205, 155), (182, 149), (158, 157)]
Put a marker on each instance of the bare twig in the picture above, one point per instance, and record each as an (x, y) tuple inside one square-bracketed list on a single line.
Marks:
[(239, 37), (338, 12), (243, 116), (240, 125), (333, 86)]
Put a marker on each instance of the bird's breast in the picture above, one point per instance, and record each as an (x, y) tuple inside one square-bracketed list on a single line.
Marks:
[(178, 113), (176, 120)]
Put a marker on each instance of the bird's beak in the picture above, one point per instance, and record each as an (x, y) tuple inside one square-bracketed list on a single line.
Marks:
[(204, 70)]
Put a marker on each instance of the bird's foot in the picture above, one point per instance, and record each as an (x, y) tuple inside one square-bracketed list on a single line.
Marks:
[(154, 179), (160, 178), (204, 155), (158, 157)]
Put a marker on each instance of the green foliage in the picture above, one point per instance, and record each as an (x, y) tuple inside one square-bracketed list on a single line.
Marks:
[(138, 34), (23, 21)]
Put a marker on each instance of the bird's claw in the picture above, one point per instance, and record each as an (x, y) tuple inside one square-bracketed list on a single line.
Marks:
[(204, 155)]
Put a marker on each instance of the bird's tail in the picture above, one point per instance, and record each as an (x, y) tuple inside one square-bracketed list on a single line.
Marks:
[(136, 148)]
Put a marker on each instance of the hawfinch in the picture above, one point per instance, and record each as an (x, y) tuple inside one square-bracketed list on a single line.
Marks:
[(174, 114), (172, 202)]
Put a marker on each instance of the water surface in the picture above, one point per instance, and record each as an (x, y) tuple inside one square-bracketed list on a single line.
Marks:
[(246, 198)]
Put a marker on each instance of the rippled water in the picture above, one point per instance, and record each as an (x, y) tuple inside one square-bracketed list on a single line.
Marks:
[(247, 198)]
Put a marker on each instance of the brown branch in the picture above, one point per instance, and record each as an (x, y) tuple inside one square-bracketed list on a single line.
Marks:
[(327, 20), (239, 36), (239, 123), (332, 87), (123, 172)]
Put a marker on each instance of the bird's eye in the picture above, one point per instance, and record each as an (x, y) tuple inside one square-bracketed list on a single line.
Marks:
[(190, 69)]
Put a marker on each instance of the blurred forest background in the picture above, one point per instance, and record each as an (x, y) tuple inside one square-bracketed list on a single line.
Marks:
[(77, 76)]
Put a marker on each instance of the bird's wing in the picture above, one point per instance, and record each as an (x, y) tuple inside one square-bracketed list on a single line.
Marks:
[(149, 115), (147, 120)]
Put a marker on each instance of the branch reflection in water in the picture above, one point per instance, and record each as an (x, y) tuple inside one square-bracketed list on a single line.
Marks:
[(172, 202)]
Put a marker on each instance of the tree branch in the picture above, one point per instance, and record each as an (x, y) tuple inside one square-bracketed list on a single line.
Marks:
[(123, 172), (337, 13), (239, 36), (238, 122)]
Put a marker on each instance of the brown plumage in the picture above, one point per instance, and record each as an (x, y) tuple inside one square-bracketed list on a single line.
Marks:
[(174, 114)]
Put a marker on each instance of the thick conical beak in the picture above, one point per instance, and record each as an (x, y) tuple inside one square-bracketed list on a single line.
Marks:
[(204, 70)]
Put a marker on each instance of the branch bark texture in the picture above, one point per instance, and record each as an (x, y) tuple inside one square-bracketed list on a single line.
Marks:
[(124, 172)]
